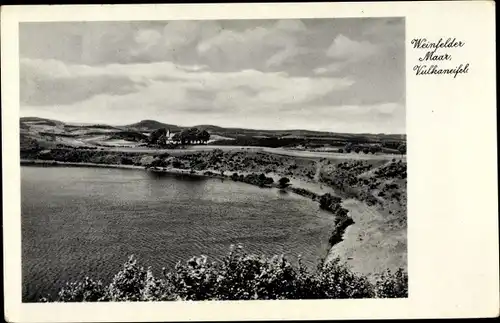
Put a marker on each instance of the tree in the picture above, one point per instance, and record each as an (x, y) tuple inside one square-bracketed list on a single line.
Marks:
[(375, 148), (284, 182), (204, 136), (162, 141), (155, 135), (189, 136), (402, 149), (176, 137)]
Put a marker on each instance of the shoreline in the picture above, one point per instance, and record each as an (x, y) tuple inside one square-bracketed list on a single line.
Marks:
[(313, 189)]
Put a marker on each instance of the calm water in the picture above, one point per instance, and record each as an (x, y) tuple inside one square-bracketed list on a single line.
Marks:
[(87, 221)]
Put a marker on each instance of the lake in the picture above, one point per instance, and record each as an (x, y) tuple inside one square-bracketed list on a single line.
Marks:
[(79, 222)]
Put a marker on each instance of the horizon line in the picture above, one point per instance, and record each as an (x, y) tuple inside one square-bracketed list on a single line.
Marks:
[(209, 124)]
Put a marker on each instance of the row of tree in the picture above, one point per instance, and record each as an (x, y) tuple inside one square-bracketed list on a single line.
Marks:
[(361, 148), (192, 136), (188, 136), (350, 147)]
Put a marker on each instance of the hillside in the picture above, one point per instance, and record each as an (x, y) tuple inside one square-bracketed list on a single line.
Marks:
[(50, 133), (150, 125)]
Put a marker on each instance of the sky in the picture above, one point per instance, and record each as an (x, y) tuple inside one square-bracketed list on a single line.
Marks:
[(340, 75)]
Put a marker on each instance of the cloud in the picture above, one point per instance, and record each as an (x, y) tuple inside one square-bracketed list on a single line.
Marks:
[(318, 72), (346, 49), (49, 82), (331, 68), (151, 83), (145, 39), (258, 48)]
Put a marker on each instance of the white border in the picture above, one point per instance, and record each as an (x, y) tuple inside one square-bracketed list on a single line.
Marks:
[(451, 128)]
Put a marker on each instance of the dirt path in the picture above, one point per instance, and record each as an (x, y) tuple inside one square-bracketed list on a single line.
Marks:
[(319, 166)]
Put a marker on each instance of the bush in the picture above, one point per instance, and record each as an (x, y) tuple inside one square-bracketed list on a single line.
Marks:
[(284, 182), (126, 161), (45, 155), (238, 276), (158, 162), (327, 200), (392, 285), (86, 291)]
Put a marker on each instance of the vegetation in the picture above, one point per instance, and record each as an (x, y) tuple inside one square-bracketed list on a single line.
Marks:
[(242, 276), (259, 180), (83, 156), (238, 276), (304, 192), (130, 136), (344, 175), (150, 131), (160, 137), (365, 148), (284, 182), (392, 170), (402, 148), (342, 219)]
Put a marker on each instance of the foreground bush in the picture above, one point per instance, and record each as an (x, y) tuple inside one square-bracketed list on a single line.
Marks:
[(239, 276)]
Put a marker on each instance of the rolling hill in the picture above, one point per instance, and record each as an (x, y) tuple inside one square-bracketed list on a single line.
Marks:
[(150, 125), (53, 132)]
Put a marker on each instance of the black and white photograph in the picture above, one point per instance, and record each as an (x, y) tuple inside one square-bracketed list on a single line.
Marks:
[(249, 162), (197, 160)]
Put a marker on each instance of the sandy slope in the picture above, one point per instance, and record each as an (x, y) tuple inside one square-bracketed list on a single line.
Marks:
[(375, 242)]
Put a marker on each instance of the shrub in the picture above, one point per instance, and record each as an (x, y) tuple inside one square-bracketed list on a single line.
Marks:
[(126, 161), (45, 155), (238, 276), (127, 284), (327, 200), (158, 162), (392, 284), (284, 182), (402, 149), (335, 280), (86, 291)]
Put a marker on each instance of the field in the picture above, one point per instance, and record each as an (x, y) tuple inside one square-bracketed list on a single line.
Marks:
[(51, 133)]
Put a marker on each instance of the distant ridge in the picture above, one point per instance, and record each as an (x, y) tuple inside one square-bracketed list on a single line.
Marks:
[(150, 125), (49, 122)]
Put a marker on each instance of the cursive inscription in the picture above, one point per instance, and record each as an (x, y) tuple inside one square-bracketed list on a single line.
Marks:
[(435, 56)]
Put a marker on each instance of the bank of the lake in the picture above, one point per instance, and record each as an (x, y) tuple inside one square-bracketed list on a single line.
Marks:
[(301, 187)]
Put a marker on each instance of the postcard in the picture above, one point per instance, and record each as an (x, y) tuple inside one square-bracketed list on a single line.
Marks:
[(269, 161)]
